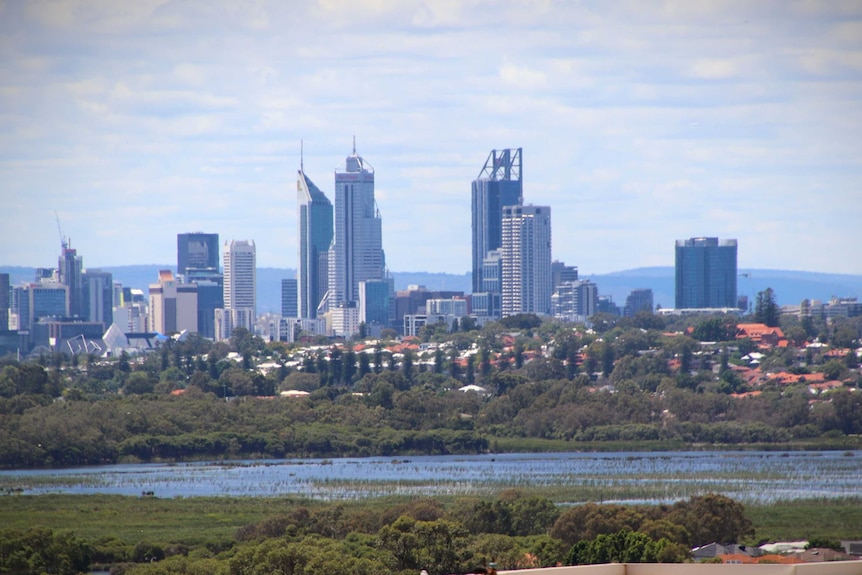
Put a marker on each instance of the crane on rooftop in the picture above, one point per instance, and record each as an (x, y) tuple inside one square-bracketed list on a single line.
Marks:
[(64, 241)]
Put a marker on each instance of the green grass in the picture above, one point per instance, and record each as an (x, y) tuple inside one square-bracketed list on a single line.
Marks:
[(195, 521), (803, 519), (189, 521)]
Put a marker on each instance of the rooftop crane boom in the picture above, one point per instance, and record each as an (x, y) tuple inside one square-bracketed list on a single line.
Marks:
[(64, 243)]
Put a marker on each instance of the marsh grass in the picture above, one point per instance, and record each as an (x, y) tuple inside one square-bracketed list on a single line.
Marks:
[(204, 520)]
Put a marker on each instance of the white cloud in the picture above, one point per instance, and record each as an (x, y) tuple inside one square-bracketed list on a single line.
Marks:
[(640, 123)]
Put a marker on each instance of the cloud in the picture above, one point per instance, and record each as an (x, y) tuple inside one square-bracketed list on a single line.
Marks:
[(640, 123)]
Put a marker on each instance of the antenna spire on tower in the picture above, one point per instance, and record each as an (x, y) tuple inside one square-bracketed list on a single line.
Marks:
[(354, 144)]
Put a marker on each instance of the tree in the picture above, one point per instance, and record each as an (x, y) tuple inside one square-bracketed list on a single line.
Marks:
[(715, 329), (626, 546), (765, 309), (522, 321), (138, 383), (712, 518)]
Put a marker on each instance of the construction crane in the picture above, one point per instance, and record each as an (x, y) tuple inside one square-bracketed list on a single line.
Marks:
[(64, 242)]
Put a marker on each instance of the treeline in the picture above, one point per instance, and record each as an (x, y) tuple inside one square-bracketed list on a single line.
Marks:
[(513, 531), (626, 380)]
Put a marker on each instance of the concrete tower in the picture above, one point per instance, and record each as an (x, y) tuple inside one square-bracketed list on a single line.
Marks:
[(526, 255)]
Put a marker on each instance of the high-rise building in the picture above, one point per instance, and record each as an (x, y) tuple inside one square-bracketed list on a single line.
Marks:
[(526, 254), (500, 184), (5, 302), (70, 266), (356, 253), (376, 304), (315, 237), (575, 301), (289, 294), (705, 273), (637, 301), (197, 251), (562, 273), (173, 306), (198, 264), (98, 297), (240, 284)]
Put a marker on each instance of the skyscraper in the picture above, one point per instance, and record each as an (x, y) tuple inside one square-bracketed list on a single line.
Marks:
[(198, 263), (240, 283), (288, 298), (526, 255), (5, 300), (315, 237), (705, 273), (70, 267), (356, 253), (500, 184), (197, 251), (98, 297), (639, 300)]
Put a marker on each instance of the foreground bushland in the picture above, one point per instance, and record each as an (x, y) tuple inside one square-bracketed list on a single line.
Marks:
[(254, 535)]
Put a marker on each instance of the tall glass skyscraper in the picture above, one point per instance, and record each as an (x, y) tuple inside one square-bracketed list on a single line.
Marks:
[(315, 237), (356, 253), (705, 273), (500, 184)]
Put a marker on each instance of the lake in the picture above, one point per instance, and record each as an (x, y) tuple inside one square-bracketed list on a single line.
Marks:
[(753, 476)]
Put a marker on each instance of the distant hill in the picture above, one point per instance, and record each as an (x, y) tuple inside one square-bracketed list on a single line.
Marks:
[(790, 287)]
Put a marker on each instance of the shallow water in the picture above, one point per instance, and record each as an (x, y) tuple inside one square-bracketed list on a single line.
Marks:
[(621, 477)]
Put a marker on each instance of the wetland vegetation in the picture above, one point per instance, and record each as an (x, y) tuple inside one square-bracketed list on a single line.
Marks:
[(637, 385)]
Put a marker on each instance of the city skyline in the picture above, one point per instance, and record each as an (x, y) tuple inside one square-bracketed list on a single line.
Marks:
[(641, 124)]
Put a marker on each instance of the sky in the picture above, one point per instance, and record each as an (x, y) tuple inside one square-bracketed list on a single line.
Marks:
[(641, 122)]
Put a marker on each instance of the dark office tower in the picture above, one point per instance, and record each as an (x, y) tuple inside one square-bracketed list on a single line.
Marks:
[(5, 302), (198, 263), (705, 273), (197, 251), (356, 253), (288, 298), (500, 184), (315, 237), (561, 273), (639, 300), (70, 267), (98, 296)]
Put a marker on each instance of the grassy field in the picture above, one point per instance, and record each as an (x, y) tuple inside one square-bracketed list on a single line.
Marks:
[(807, 518), (195, 521)]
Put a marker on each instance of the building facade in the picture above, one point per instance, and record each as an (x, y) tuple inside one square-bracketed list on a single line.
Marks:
[(173, 306), (575, 301), (5, 301), (526, 254), (705, 273), (240, 285), (500, 184), (98, 296), (197, 251), (70, 268), (289, 295), (638, 300), (315, 237), (356, 253)]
